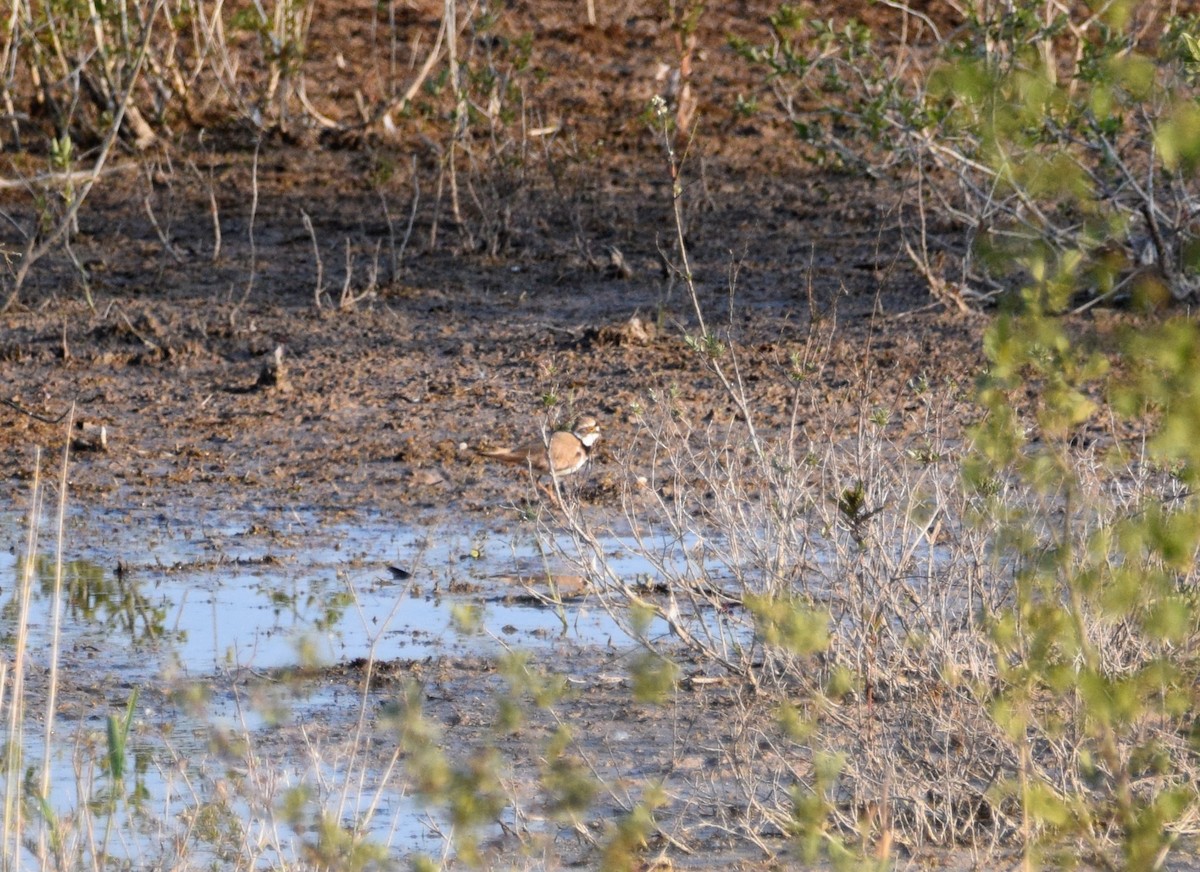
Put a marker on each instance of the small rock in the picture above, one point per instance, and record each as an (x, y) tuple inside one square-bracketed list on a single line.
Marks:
[(89, 437), (618, 267), (274, 372), (427, 478)]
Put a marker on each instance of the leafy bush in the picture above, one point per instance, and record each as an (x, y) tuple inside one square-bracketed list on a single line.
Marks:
[(1028, 133)]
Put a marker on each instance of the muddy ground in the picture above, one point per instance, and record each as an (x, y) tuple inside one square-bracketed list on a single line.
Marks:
[(382, 403), (479, 332), (198, 263)]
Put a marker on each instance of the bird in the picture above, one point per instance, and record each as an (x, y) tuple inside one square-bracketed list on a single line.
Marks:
[(566, 452)]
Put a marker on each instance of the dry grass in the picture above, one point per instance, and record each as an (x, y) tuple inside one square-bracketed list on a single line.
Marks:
[(905, 660)]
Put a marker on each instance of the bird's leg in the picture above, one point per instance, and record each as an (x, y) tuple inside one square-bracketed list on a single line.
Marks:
[(552, 492)]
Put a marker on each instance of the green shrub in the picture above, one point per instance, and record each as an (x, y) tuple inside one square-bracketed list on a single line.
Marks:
[(1036, 135)]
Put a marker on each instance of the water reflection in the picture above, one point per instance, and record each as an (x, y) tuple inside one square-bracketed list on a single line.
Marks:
[(228, 598), (196, 608), (111, 601)]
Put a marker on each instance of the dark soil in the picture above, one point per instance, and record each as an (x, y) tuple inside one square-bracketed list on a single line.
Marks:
[(468, 336), (484, 331), (380, 401)]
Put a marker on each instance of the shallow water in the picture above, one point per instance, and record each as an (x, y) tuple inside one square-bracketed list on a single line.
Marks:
[(152, 600), (256, 596), (175, 602)]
